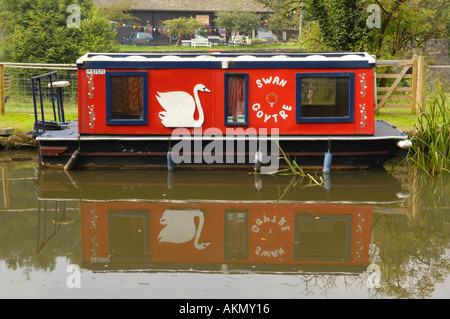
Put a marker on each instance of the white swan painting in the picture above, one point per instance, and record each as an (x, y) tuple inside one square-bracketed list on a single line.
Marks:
[(179, 227), (180, 107)]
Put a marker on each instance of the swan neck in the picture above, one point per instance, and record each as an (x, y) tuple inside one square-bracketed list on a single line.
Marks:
[(199, 230), (198, 122)]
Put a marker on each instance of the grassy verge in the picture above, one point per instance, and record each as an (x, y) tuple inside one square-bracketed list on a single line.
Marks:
[(400, 118), (20, 116)]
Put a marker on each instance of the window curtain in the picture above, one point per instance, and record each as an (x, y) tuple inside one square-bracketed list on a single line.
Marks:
[(126, 96), (235, 96)]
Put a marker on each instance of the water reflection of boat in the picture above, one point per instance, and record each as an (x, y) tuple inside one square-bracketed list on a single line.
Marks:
[(220, 221)]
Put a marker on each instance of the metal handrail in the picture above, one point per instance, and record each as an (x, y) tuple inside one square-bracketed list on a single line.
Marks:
[(53, 77)]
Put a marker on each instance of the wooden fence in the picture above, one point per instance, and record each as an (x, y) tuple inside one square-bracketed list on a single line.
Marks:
[(412, 74), (410, 92)]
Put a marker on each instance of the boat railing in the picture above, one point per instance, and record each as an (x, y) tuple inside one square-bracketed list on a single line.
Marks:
[(55, 87)]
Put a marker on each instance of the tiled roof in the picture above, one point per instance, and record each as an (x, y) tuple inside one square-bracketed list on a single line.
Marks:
[(190, 5)]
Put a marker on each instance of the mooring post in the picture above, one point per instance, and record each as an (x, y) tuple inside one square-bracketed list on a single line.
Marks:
[(421, 83)]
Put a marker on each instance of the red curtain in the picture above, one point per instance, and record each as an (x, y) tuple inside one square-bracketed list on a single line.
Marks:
[(235, 97)]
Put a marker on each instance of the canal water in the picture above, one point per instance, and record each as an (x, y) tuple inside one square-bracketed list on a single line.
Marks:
[(375, 234)]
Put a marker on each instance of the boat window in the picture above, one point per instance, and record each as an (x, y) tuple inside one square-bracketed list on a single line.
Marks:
[(325, 97), (128, 235), (236, 235), (126, 98), (324, 239), (236, 99)]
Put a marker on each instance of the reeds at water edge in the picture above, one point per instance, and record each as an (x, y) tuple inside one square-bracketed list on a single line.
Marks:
[(431, 137)]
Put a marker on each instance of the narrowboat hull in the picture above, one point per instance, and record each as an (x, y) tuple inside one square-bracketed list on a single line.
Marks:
[(61, 148)]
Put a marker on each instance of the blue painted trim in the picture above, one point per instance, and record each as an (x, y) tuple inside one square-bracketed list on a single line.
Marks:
[(151, 65), (351, 99), (144, 120), (299, 65), (245, 75)]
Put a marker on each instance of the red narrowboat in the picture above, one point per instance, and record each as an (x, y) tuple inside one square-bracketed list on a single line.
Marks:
[(222, 110)]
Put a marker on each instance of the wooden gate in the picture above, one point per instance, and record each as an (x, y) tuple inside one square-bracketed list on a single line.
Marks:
[(411, 91)]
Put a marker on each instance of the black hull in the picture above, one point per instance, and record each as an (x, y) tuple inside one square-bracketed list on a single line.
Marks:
[(122, 152)]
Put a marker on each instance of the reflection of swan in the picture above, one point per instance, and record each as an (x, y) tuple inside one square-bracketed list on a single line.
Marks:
[(180, 108), (180, 227)]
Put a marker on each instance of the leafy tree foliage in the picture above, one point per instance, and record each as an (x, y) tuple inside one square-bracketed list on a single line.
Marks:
[(237, 21), (37, 31), (409, 24), (119, 12), (181, 26), (405, 24)]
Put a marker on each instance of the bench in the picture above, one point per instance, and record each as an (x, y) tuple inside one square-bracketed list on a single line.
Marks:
[(200, 42)]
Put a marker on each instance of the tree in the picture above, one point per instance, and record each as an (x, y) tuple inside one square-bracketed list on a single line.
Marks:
[(409, 24), (285, 15), (405, 24), (119, 12), (237, 21), (181, 26), (49, 31), (341, 22)]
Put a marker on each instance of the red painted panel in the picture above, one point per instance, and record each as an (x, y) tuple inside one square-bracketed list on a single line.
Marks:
[(271, 102)]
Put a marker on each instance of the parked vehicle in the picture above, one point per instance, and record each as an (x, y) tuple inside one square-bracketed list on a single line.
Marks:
[(266, 36), (138, 38), (214, 39)]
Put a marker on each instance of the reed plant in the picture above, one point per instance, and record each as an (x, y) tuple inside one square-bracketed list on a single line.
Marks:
[(294, 169), (431, 137)]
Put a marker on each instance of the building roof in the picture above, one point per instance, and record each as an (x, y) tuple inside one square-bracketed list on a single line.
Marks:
[(190, 5)]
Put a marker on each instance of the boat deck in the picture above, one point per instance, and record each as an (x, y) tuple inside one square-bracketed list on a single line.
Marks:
[(69, 131)]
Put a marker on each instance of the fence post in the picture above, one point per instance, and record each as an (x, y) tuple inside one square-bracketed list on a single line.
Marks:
[(2, 89), (414, 85), (421, 83)]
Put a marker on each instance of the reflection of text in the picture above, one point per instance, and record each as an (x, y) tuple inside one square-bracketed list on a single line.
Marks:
[(267, 228), (74, 279)]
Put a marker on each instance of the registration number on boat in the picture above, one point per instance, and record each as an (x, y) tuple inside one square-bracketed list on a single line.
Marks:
[(95, 71)]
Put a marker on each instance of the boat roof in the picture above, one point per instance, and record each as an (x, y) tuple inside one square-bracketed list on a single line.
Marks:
[(222, 60)]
